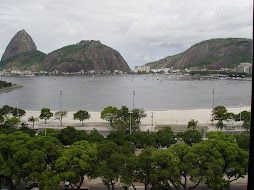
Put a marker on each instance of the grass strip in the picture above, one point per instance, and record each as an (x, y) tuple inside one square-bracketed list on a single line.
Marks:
[(10, 88)]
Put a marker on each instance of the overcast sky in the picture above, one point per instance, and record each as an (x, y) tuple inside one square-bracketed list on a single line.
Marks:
[(141, 30)]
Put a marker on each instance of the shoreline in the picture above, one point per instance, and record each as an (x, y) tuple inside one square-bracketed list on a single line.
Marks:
[(168, 117), (10, 88)]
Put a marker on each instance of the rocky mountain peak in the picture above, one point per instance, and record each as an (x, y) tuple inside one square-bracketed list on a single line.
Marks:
[(21, 42)]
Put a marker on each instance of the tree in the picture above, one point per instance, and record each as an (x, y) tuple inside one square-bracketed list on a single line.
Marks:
[(137, 115), (14, 157), (1, 119), (44, 151), (120, 121), (219, 113), (206, 165), (11, 121), (81, 115), (243, 141), (110, 114), (50, 133), (219, 135), (76, 162), (45, 114), (27, 130), (128, 172), (95, 136), (6, 111), (192, 124), (7, 129), (220, 125), (166, 137), (165, 169), (144, 171), (17, 112), (181, 151), (246, 125), (191, 137), (110, 164), (70, 135), (244, 116), (59, 115), (143, 139), (33, 120), (117, 137)]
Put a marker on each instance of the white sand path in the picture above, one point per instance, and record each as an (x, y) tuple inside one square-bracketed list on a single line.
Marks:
[(171, 117)]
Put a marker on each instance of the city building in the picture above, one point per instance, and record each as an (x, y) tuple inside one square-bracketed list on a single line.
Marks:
[(143, 68), (244, 68)]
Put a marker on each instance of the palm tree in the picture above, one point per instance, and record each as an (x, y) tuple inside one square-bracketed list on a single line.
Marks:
[(32, 119), (192, 124)]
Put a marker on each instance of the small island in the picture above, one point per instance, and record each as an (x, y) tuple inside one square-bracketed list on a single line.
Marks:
[(7, 86)]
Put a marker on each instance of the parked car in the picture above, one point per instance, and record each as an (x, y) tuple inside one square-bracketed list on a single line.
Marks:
[(5, 188), (33, 186)]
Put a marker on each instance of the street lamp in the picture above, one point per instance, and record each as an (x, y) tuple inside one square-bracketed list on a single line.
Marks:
[(213, 104), (240, 117), (130, 112), (213, 98), (133, 99), (61, 100), (17, 110), (152, 122)]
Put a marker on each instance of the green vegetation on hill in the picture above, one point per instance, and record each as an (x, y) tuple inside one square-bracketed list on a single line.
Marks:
[(166, 62), (210, 54), (69, 51), (31, 60), (231, 61)]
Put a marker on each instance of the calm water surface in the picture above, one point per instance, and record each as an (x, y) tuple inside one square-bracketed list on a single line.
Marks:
[(151, 92)]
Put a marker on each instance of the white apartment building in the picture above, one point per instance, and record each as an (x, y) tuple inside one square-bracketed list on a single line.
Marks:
[(143, 68), (244, 68)]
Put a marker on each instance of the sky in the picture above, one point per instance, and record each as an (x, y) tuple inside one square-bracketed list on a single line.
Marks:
[(141, 31)]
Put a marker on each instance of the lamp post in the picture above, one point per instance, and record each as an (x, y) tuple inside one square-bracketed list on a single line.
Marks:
[(213, 98), (240, 117), (61, 100), (17, 110), (133, 99), (152, 122), (213, 104), (172, 116), (130, 112)]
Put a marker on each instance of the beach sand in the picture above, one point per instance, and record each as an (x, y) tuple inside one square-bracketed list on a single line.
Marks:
[(171, 117)]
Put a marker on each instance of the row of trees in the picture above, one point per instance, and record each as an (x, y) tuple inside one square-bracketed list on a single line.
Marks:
[(221, 114), (7, 111), (46, 160), (123, 119), (119, 119)]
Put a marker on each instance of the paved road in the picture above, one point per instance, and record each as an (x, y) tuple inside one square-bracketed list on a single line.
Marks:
[(200, 187), (203, 187)]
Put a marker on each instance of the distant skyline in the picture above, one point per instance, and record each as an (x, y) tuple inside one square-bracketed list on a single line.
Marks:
[(140, 30)]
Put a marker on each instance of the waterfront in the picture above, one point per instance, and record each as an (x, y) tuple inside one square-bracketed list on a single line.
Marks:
[(159, 92)]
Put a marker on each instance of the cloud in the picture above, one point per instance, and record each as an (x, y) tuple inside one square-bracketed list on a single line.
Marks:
[(147, 27)]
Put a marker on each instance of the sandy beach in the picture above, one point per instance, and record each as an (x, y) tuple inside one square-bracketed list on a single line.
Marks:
[(171, 117)]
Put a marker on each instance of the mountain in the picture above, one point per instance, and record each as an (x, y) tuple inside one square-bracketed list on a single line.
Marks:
[(85, 55), (210, 54), (21, 42), (22, 54), (31, 60)]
